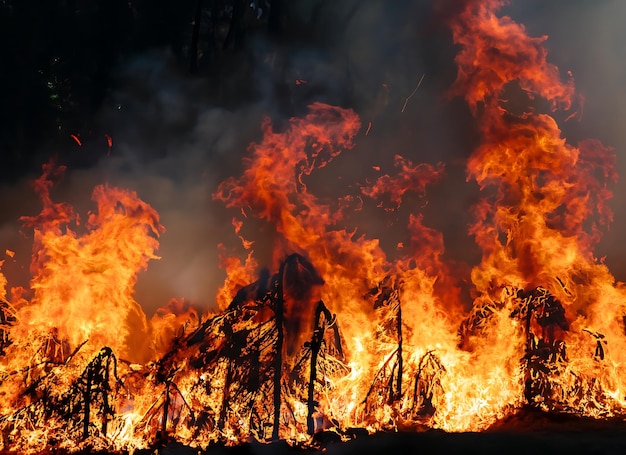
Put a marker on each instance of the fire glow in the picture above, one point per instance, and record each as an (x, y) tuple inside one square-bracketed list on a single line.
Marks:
[(334, 335)]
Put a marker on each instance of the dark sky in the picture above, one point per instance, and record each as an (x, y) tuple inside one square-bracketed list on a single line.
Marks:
[(176, 134)]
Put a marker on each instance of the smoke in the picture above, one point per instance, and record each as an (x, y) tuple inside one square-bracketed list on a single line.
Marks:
[(175, 137)]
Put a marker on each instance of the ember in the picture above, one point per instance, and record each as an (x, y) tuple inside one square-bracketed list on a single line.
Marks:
[(334, 338)]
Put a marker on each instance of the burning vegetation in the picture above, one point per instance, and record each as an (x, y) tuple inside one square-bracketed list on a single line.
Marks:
[(334, 336)]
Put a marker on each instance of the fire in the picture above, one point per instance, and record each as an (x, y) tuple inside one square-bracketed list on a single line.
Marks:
[(547, 202), (335, 334), (82, 284)]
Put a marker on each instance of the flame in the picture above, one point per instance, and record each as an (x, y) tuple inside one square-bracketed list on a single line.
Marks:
[(80, 300), (545, 202), (83, 284), (335, 334)]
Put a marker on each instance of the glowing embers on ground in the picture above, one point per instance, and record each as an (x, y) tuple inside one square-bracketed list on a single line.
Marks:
[(334, 335)]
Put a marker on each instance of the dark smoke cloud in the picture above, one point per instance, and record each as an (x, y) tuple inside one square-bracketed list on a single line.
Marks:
[(176, 137)]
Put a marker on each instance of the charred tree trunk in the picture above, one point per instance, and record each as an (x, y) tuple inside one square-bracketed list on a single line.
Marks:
[(315, 345), (166, 410), (279, 311), (7, 319), (105, 401), (528, 381), (87, 403)]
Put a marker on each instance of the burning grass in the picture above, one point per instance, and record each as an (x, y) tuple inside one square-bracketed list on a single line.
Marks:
[(232, 377)]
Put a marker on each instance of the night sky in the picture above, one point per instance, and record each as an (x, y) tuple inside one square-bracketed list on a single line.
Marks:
[(180, 125)]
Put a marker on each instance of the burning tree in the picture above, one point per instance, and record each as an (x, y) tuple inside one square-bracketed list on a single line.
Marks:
[(235, 361)]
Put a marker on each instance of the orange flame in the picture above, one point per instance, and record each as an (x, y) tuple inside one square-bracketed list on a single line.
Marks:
[(546, 199), (83, 285)]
